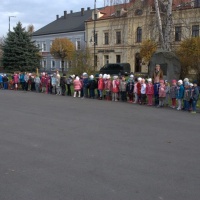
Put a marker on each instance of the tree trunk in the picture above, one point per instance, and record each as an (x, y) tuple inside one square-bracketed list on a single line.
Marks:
[(62, 62), (159, 24)]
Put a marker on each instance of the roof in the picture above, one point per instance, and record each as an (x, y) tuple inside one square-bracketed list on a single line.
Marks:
[(72, 23)]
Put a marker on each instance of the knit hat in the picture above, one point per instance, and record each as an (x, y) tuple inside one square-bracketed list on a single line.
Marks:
[(186, 80), (100, 75), (77, 78), (131, 76), (174, 81), (139, 79), (191, 85), (161, 81), (108, 76), (180, 81), (149, 80), (104, 76), (92, 77)]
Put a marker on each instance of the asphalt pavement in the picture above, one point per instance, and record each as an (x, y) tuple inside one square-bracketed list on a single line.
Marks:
[(64, 148)]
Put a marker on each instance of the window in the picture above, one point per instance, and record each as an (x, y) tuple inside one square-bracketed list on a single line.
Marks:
[(139, 34), (195, 30), (178, 33), (95, 16), (118, 37), (44, 64), (106, 59), (118, 13), (197, 3), (106, 38), (51, 44), (44, 46), (96, 39), (78, 44), (53, 64), (118, 58)]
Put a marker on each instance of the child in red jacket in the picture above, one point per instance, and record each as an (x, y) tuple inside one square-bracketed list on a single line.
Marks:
[(139, 89)]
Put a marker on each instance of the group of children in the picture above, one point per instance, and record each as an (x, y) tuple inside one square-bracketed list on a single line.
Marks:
[(181, 95)]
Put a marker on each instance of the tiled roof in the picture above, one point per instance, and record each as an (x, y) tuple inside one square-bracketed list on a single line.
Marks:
[(73, 22)]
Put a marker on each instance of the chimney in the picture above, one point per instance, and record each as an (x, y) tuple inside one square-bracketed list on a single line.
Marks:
[(71, 11), (88, 8), (57, 17), (65, 14), (82, 11)]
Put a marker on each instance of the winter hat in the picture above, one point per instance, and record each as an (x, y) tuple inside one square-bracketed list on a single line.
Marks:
[(92, 77), (149, 80), (139, 79), (4, 75), (180, 81), (174, 81), (191, 85), (131, 76), (43, 73), (187, 83), (100, 75), (77, 78), (161, 81), (186, 80), (104, 76), (108, 76), (166, 81), (114, 77)]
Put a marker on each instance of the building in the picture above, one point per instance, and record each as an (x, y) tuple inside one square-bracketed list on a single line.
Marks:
[(115, 33), (70, 25)]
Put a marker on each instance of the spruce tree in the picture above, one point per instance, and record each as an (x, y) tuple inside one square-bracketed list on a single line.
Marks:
[(19, 52)]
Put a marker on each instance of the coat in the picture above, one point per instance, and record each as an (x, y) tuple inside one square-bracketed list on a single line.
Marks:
[(115, 86), (139, 88), (16, 79), (149, 89), (100, 84), (77, 85), (179, 92), (162, 92), (107, 86)]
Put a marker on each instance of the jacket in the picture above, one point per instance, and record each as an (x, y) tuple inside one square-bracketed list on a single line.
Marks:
[(195, 94), (122, 86), (173, 92), (162, 91), (179, 92), (130, 87), (115, 86), (149, 89), (108, 83), (77, 85), (100, 84), (92, 84)]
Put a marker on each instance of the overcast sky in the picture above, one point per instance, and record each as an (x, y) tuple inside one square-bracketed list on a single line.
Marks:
[(37, 12)]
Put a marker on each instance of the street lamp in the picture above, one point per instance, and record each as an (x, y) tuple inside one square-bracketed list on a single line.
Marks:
[(95, 39), (9, 21)]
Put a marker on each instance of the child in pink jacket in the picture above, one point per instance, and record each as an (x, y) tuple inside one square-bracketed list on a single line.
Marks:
[(115, 88), (150, 92), (77, 87)]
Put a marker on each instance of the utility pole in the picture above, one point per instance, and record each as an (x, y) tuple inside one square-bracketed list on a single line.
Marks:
[(9, 22)]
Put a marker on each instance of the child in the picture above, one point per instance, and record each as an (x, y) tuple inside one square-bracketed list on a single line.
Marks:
[(150, 92), (122, 88), (107, 88), (195, 97), (100, 86), (16, 81), (130, 88), (191, 92), (186, 97), (115, 88), (173, 94), (77, 87), (135, 91), (139, 89), (143, 91), (179, 94), (167, 91), (162, 94), (92, 86)]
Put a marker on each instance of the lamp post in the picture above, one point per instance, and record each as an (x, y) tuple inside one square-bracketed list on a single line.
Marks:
[(95, 39), (9, 21)]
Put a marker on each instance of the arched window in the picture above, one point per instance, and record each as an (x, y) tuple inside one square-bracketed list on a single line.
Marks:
[(139, 34)]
